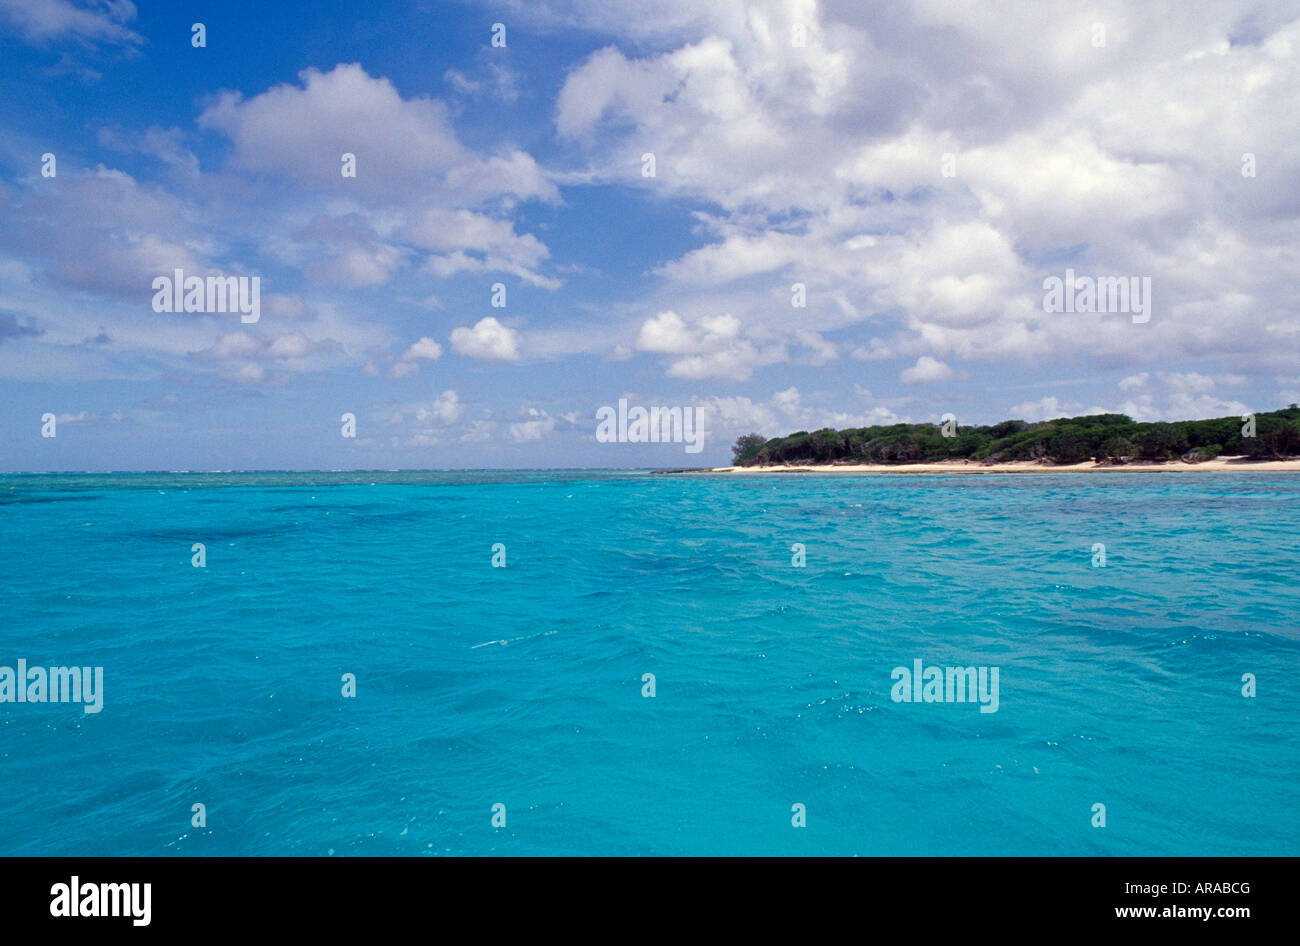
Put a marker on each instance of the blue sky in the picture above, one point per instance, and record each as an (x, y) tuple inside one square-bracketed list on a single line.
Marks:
[(920, 168)]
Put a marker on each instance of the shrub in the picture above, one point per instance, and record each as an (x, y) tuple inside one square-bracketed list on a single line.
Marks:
[(1117, 449)]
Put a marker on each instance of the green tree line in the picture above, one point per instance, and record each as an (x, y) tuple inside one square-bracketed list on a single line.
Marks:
[(1107, 438)]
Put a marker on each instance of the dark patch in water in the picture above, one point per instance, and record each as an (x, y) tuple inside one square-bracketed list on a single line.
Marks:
[(11, 499)]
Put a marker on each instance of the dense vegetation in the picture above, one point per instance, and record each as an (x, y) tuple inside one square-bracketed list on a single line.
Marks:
[(1107, 438)]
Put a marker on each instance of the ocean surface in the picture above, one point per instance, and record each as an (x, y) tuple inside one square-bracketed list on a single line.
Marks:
[(522, 685)]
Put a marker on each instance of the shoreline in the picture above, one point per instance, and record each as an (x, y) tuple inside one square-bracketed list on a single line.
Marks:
[(1220, 465)]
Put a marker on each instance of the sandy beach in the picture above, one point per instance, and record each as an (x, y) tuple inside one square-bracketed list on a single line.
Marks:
[(1219, 465)]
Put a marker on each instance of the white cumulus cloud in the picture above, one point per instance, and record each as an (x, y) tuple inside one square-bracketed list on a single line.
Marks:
[(488, 339)]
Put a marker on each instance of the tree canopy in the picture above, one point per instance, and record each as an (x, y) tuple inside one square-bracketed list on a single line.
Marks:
[(1107, 438)]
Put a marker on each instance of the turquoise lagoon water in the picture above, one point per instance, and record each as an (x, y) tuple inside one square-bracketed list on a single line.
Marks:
[(522, 685)]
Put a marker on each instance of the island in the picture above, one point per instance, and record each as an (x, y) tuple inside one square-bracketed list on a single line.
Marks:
[(1267, 441)]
